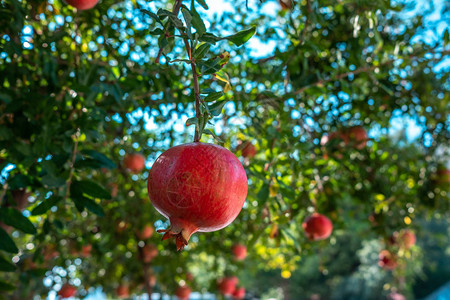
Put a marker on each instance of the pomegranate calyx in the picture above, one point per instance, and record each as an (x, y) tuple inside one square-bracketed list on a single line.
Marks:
[(181, 242)]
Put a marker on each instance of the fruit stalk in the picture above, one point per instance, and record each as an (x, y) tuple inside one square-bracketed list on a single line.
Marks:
[(198, 114)]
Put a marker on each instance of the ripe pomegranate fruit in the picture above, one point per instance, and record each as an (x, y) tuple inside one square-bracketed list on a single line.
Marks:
[(317, 227), (134, 162), (387, 260), (406, 239), (86, 250), (239, 293), (67, 291), (82, 4), (183, 292), (239, 251), (198, 187), (227, 285), (123, 291), (149, 252), (356, 136), (146, 232), (248, 150)]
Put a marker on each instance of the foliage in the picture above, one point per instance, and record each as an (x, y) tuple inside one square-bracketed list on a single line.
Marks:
[(82, 89)]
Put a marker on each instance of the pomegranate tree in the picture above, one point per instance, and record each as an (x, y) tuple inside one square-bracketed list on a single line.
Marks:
[(134, 162), (198, 187), (387, 260), (82, 4), (227, 285), (123, 291), (183, 292), (239, 293), (317, 227), (239, 251), (67, 291)]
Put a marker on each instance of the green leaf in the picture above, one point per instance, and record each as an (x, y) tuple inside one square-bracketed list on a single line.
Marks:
[(241, 37), (6, 266), (210, 132), (201, 50), (5, 287), (197, 21), (214, 96), (90, 205), (6, 242), (86, 187), (209, 38), (207, 91), (45, 205), (18, 181), (101, 158), (203, 3), (12, 217), (152, 15), (216, 108), (52, 182), (192, 121)]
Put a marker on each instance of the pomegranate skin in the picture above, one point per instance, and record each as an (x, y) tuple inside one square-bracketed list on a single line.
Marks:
[(183, 292), (239, 251), (227, 285), (239, 293), (198, 187), (67, 291), (134, 162), (82, 4), (387, 260), (317, 227)]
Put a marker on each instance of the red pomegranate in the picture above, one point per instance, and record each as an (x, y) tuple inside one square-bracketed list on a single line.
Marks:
[(227, 285), (317, 227), (86, 250), (198, 187), (82, 4), (387, 260), (146, 232), (183, 292), (123, 291), (149, 252), (134, 162), (356, 136), (248, 149), (239, 251), (239, 293), (406, 238), (67, 291)]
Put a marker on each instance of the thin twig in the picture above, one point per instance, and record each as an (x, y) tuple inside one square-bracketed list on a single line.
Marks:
[(198, 114), (72, 163), (309, 11), (175, 11)]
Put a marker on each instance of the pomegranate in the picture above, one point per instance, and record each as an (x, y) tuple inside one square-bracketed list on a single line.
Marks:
[(317, 227), (134, 162), (396, 296), (239, 251), (82, 4), (149, 252), (227, 285), (248, 150), (67, 291), (123, 291), (183, 292), (86, 250), (239, 293), (198, 187), (387, 260), (406, 239), (146, 232), (356, 136)]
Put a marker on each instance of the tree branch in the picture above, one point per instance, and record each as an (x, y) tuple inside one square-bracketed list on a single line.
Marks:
[(74, 155)]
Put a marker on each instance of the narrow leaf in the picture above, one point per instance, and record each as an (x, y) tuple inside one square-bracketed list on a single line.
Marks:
[(192, 121), (90, 205), (6, 287), (241, 37), (201, 50), (6, 242), (6, 266), (197, 21), (214, 96), (216, 108), (203, 3), (12, 217), (45, 205), (86, 187)]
